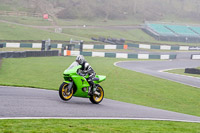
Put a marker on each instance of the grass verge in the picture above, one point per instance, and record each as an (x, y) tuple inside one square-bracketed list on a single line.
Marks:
[(16, 32), (122, 85), (26, 20), (95, 126)]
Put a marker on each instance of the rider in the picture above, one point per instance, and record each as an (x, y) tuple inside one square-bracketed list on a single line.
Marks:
[(86, 69)]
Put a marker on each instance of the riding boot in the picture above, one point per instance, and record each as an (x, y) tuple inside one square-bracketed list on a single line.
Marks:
[(92, 86)]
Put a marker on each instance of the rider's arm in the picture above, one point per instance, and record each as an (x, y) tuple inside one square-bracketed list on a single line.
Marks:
[(89, 69)]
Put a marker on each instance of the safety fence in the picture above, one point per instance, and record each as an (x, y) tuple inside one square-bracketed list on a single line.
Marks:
[(100, 46), (71, 50), (119, 55), (163, 47), (85, 46), (88, 46), (195, 57), (28, 45), (24, 54)]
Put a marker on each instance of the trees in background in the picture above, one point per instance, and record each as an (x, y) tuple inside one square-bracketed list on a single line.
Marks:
[(111, 9)]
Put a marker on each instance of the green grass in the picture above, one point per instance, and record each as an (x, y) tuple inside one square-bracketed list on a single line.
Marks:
[(122, 85), (27, 20), (136, 34), (96, 126), (16, 32), (182, 72), (4, 7), (179, 20), (66, 22), (97, 22)]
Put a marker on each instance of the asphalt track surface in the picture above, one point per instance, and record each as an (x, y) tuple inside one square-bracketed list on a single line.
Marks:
[(31, 103), (156, 68)]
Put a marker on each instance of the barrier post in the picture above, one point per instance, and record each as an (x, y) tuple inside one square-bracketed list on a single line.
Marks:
[(1, 45), (62, 49), (81, 46), (43, 45), (48, 44)]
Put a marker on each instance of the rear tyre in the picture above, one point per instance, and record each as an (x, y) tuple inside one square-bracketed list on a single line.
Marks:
[(96, 98), (64, 92)]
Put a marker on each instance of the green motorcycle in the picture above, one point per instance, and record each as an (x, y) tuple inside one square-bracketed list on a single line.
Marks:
[(75, 84)]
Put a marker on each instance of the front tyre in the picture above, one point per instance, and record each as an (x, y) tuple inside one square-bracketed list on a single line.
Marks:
[(97, 97), (64, 92)]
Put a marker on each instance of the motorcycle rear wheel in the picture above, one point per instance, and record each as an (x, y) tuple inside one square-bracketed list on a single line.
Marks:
[(96, 99), (63, 92)]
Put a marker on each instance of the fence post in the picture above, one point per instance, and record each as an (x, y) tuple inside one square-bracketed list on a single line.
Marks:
[(81, 46), (43, 45)]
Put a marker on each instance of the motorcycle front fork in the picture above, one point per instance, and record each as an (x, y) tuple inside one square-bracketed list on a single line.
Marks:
[(92, 88)]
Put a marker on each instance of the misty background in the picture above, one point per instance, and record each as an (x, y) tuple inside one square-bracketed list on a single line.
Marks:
[(143, 10)]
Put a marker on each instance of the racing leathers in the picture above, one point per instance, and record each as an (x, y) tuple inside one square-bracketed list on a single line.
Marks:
[(87, 69)]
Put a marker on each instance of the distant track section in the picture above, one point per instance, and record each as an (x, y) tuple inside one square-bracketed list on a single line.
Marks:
[(155, 68)]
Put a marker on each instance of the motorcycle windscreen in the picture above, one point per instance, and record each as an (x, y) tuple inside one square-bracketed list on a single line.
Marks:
[(74, 64)]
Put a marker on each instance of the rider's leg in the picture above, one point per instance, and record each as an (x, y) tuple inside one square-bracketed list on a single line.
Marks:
[(92, 84)]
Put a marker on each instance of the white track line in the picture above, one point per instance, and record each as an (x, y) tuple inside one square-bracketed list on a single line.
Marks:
[(97, 118)]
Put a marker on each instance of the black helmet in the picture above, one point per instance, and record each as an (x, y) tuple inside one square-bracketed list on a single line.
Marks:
[(80, 59)]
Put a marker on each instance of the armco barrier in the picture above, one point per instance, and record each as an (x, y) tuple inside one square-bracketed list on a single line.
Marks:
[(85, 46), (119, 55), (192, 70), (160, 47), (195, 57), (28, 54), (98, 46)]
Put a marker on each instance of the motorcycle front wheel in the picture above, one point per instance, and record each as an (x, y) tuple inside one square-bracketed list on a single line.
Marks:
[(97, 97), (64, 92)]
